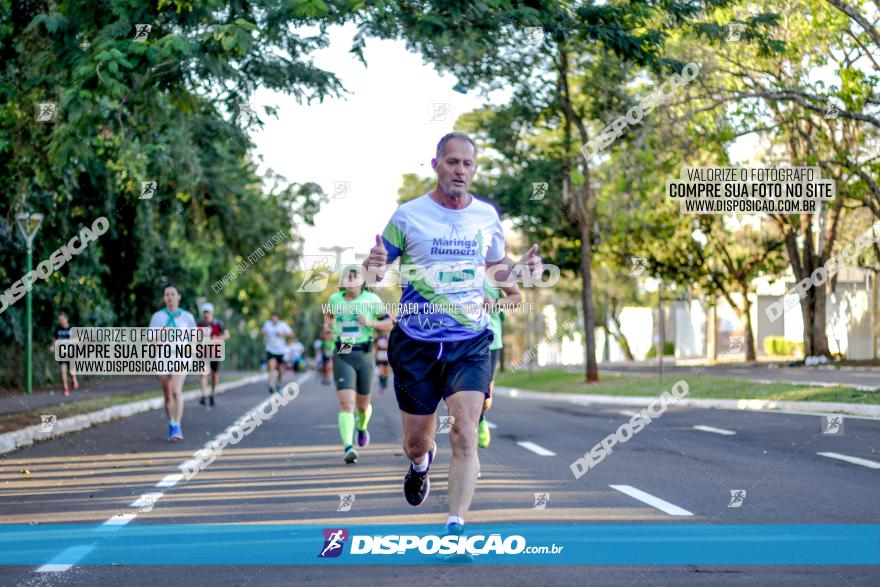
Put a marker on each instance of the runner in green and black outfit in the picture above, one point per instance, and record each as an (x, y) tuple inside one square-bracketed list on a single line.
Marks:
[(354, 314), (491, 301), (327, 345)]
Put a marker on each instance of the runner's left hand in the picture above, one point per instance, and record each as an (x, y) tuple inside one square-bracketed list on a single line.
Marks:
[(533, 261)]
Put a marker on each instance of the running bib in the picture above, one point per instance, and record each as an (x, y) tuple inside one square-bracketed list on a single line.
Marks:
[(443, 254), (349, 329), (346, 327), (457, 280)]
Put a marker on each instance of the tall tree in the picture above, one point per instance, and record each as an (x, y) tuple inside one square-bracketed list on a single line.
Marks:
[(163, 101), (780, 94)]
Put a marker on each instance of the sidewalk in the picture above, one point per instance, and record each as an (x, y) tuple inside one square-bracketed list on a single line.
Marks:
[(861, 378), (764, 362), (21, 402), (15, 439), (870, 411)]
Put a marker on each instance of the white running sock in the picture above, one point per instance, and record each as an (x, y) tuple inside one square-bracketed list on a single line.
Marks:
[(422, 466), (454, 520)]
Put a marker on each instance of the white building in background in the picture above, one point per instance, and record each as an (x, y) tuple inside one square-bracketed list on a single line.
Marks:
[(699, 330), (851, 318), (568, 346)]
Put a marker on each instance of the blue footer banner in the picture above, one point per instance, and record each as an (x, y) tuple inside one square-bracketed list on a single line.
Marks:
[(529, 544)]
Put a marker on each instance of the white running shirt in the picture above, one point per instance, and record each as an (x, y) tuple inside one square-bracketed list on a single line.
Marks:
[(425, 234), (161, 319), (275, 343)]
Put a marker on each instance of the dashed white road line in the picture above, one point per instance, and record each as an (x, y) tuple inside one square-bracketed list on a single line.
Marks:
[(714, 430), (170, 480), (70, 556), (663, 506), (628, 413), (491, 424), (116, 522), (849, 459), (147, 500), (537, 449)]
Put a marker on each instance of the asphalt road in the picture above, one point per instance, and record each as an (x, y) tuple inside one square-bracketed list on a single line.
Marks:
[(290, 470)]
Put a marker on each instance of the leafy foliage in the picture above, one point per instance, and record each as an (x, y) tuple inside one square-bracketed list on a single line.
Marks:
[(172, 108)]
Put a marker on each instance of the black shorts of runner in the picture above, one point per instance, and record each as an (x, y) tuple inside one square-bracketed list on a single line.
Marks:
[(270, 356), (494, 358), (215, 366), (427, 372), (354, 370)]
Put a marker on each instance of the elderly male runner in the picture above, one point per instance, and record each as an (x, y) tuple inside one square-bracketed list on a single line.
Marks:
[(444, 355)]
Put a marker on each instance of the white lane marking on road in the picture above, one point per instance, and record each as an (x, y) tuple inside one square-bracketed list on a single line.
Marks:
[(537, 449), (491, 424), (147, 500), (849, 459), (170, 480), (628, 413), (714, 430), (70, 556), (119, 520), (663, 506), (116, 522)]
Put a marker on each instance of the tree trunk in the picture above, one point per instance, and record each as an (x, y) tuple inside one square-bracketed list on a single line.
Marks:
[(807, 319), (592, 372), (606, 346), (813, 304), (747, 318), (582, 205), (816, 328)]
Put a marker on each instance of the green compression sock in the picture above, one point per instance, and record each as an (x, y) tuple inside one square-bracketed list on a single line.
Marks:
[(346, 427), (364, 418)]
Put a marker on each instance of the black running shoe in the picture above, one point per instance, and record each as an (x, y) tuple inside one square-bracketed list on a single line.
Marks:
[(417, 486), (211, 401), (203, 401)]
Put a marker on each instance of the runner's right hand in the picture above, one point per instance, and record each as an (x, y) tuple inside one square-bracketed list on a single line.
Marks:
[(378, 254)]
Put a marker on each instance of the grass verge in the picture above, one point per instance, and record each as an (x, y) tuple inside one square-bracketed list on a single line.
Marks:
[(701, 386)]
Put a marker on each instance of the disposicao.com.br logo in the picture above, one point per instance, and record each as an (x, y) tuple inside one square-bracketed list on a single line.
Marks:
[(430, 544)]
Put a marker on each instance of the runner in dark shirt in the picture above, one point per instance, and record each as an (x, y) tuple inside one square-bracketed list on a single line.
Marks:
[(63, 333), (217, 332)]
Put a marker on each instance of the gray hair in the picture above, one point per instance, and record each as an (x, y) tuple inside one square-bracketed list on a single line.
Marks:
[(441, 146)]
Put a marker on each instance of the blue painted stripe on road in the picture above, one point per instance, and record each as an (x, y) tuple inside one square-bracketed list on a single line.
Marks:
[(285, 544)]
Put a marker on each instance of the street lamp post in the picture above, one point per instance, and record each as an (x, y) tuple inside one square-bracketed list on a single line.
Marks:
[(28, 224)]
